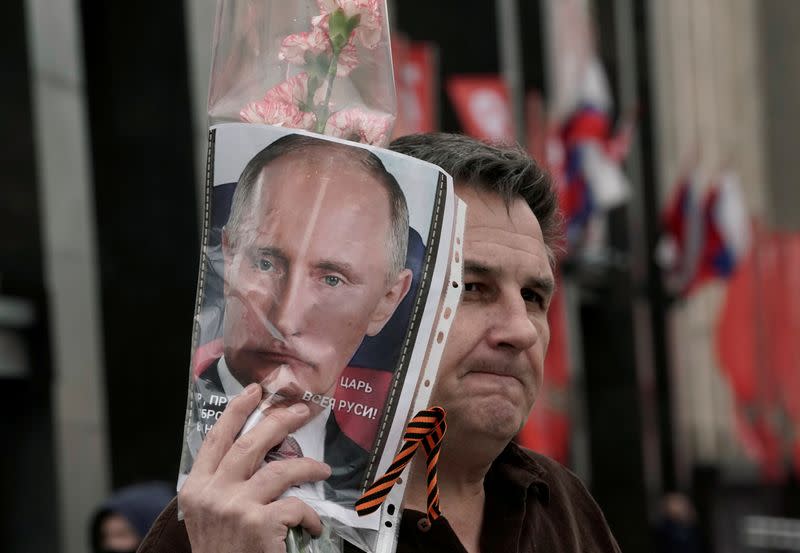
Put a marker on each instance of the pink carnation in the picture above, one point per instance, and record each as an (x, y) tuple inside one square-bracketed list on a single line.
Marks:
[(368, 32), (292, 91), (294, 48), (281, 105), (360, 125), (278, 114)]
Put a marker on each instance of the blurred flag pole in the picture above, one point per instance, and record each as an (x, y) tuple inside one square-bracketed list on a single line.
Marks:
[(508, 42), (654, 385)]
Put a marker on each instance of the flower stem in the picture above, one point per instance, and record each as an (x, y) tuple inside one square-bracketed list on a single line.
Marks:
[(324, 112)]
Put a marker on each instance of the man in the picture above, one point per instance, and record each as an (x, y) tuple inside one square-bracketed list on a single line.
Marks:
[(314, 252), (495, 496)]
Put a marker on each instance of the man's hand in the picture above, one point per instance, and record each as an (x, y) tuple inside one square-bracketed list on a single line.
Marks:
[(230, 501)]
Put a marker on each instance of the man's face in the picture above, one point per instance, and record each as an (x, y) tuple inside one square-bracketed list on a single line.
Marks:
[(491, 369), (310, 261)]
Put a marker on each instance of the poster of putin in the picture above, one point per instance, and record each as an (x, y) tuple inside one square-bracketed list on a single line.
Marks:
[(329, 275)]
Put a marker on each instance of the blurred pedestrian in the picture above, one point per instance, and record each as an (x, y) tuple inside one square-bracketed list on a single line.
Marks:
[(676, 528), (123, 520)]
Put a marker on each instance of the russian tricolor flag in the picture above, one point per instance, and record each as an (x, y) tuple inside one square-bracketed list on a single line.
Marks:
[(703, 238), (591, 176), (727, 229)]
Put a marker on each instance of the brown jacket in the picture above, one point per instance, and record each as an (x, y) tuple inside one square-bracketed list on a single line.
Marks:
[(532, 504)]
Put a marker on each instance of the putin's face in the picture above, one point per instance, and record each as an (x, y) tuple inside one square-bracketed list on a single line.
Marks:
[(307, 275)]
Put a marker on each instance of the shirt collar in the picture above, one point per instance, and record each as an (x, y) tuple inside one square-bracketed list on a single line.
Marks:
[(517, 467), (311, 436)]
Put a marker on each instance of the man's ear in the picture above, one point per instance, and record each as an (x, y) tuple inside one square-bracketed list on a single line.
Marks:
[(389, 302)]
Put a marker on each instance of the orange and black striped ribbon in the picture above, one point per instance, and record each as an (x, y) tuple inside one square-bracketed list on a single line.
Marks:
[(426, 428)]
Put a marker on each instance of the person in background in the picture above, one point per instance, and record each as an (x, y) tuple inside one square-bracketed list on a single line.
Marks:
[(676, 530), (122, 521)]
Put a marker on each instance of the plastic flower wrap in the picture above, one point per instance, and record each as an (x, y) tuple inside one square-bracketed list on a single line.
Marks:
[(322, 66)]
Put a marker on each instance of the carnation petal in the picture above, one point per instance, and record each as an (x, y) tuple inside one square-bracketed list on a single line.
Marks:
[(360, 126)]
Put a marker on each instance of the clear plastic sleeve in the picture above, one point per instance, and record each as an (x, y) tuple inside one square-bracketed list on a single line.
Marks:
[(330, 274), (318, 65)]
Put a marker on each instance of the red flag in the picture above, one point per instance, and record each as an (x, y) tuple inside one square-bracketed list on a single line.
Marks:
[(416, 77), (758, 351), (483, 106)]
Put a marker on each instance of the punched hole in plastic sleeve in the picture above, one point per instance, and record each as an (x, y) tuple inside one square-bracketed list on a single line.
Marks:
[(427, 428)]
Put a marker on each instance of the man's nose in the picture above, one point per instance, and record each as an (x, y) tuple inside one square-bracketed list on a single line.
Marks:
[(290, 309), (511, 326)]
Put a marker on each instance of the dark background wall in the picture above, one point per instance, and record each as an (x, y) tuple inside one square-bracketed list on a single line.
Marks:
[(27, 470), (468, 44), (144, 184)]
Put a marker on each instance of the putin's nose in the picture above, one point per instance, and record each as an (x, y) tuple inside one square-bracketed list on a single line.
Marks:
[(291, 305)]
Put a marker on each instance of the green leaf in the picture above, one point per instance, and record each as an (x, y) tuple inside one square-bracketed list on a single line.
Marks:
[(338, 42), (314, 82), (340, 27), (337, 23), (317, 65), (352, 23)]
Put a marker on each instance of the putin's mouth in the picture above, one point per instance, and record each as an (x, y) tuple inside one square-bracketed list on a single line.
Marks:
[(281, 386), (264, 362), (282, 358)]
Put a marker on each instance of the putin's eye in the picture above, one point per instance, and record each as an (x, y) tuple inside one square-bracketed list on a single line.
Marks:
[(265, 264), (332, 281)]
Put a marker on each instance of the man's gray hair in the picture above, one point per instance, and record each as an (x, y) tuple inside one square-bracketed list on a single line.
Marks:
[(398, 209), (507, 171)]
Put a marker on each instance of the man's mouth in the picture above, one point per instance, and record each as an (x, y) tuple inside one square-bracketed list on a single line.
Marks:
[(495, 374), (498, 374)]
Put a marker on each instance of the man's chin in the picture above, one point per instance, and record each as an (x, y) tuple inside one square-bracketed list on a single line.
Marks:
[(495, 417)]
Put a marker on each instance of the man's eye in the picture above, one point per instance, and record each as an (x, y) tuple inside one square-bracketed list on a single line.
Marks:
[(530, 295), (473, 287), (332, 281)]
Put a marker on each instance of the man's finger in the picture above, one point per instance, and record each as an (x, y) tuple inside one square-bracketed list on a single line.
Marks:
[(273, 478), (248, 450), (219, 440), (291, 512)]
